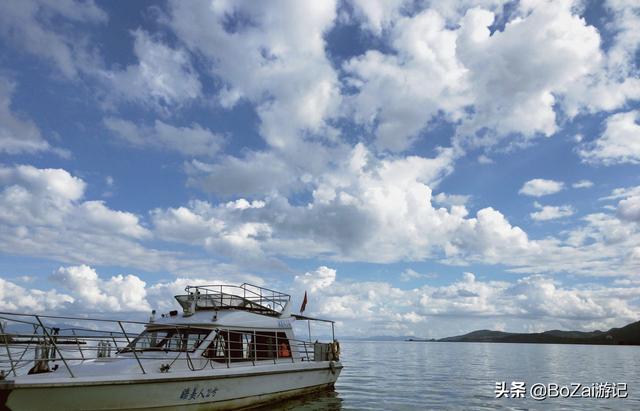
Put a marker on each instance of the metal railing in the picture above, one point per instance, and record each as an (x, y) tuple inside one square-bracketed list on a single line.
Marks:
[(28, 344), (246, 296)]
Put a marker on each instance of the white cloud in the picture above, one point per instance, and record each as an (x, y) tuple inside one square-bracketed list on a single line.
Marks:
[(16, 298), (363, 210), (582, 184), (96, 216), (622, 192), (546, 213), (375, 308), (629, 208), (376, 15), (54, 182), (257, 173), (539, 187), (437, 69), (83, 290), (615, 81), (338, 202), (367, 209), (43, 214), (191, 140), (512, 96), (317, 280), (34, 26), (620, 142), (272, 56), (451, 199), (445, 62), (399, 93), (17, 135), (162, 77), (362, 307), (119, 293), (409, 275), (483, 159)]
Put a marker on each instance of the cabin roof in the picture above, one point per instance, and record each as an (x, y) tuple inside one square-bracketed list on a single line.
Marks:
[(246, 297), (229, 318)]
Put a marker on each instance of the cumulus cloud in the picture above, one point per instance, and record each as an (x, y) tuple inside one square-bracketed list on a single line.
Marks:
[(351, 207), (119, 293), (399, 93), (16, 298), (369, 307), (373, 210), (17, 134), (271, 56), (410, 275), (317, 280), (43, 214), (451, 199), (362, 307), (546, 213), (620, 142), (162, 77), (622, 192), (539, 187), (35, 27), (191, 140), (629, 208), (517, 73), (80, 289), (615, 81), (376, 15), (364, 210), (381, 211), (582, 184), (436, 68), (254, 174)]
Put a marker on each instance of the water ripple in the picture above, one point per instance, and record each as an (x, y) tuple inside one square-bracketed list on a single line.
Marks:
[(411, 375)]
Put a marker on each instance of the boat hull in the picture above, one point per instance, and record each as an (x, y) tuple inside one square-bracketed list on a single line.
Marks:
[(221, 389)]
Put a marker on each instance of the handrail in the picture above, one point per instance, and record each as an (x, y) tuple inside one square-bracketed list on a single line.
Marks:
[(72, 347), (5, 338), (264, 298), (55, 346)]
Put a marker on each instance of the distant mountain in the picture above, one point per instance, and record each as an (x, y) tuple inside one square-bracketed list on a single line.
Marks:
[(627, 335)]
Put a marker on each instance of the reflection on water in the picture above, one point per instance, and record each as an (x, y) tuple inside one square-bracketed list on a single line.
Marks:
[(325, 400), (412, 375)]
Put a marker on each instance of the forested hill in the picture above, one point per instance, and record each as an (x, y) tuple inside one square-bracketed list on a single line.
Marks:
[(627, 335)]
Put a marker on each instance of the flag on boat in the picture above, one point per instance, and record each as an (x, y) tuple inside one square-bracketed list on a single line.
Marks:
[(304, 303)]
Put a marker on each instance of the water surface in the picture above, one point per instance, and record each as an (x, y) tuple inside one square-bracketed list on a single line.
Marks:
[(414, 375)]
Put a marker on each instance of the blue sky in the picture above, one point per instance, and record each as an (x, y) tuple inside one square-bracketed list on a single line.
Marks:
[(417, 167)]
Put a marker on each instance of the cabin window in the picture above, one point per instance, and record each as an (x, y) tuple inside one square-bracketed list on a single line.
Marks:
[(218, 347), (271, 345), (239, 344), (184, 339), (248, 345), (284, 349)]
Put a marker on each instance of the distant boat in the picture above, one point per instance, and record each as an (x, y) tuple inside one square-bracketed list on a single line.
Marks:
[(230, 347)]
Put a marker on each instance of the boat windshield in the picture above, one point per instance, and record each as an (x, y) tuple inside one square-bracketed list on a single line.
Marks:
[(168, 339)]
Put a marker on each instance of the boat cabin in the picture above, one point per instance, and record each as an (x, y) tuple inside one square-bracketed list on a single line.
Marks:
[(224, 324)]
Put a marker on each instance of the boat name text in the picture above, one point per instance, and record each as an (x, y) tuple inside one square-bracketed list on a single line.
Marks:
[(284, 324), (196, 392)]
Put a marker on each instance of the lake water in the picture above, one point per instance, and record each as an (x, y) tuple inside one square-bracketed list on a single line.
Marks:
[(413, 375)]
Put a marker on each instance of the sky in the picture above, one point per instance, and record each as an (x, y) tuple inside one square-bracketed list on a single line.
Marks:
[(421, 168)]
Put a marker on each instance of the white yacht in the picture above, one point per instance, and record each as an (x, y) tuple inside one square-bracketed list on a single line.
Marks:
[(230, 347)]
